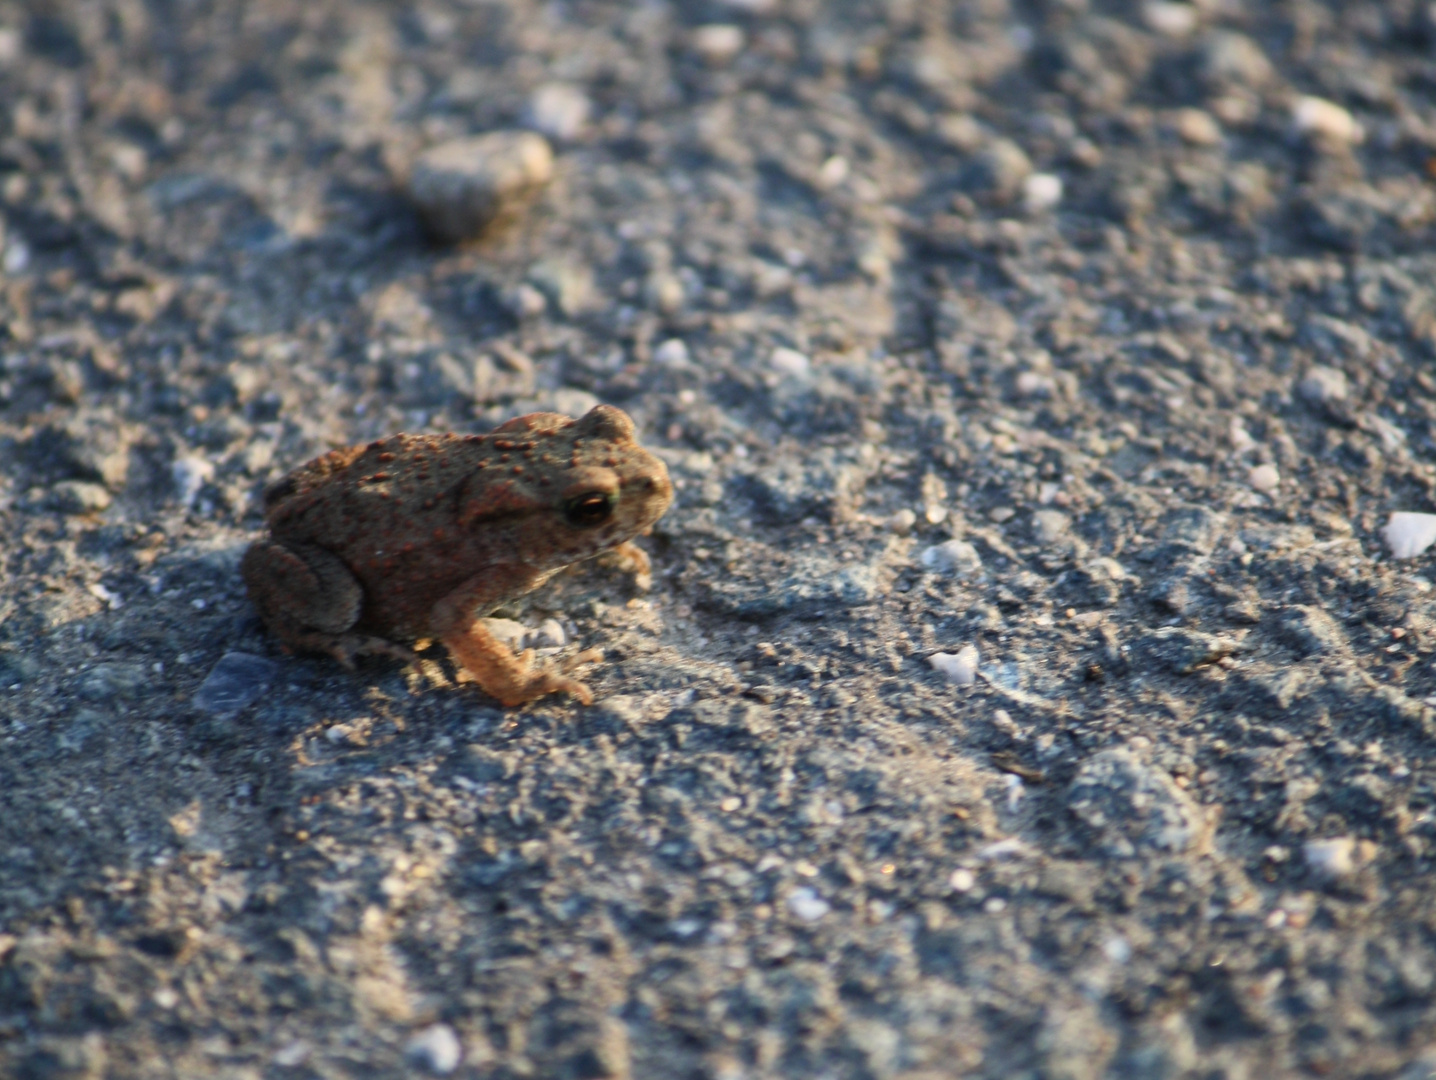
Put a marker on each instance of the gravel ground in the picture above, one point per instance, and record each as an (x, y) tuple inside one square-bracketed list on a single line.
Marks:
[(1025, 689)]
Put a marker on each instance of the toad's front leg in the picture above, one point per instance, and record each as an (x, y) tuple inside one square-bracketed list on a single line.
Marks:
[(487, 660)]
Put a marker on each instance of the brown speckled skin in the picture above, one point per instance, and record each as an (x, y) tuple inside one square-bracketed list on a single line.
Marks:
[(416, 536)]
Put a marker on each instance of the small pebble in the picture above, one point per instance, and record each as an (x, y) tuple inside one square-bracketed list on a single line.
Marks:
[(1408, 535), (548, 635), (1001, 169), (902, 521), (525, 301), (436, 1048), (717, 43), (959, 131), (790, 362), (1325, 123), (664, 291), (1033, 384), (959, 667), (672, 353), (1230, 59), (236, 682), (190, 474), (962, 880), (951, 557), (509, 631), (78, 497), (1050, 526), (1169, 19), (807, 905), (1264, 478), (558, 110), (1331, 859), (833, 172), (1321, 385), (463, 186), (1041, 192), (1197, 127)]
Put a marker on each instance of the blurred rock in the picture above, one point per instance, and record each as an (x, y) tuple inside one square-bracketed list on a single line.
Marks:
[(959, 667), (1325, 124), (78, 497), (1000, 170), (436, 1049), (956, 557), (1323, 385), (1407, 535), (1230, 59), (717, 43), (558, 110), (237, 681), (466, 186)]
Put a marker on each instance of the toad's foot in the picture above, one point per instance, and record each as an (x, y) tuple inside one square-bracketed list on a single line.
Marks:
[(512, 679)]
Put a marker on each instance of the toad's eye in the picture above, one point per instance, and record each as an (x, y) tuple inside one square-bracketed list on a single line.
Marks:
[(591, 508)]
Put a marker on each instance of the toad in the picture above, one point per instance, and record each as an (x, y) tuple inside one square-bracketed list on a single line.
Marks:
[(415, 537)]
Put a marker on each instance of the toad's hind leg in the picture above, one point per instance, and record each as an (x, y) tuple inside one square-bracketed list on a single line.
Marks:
[(512, 679), (310, 601)]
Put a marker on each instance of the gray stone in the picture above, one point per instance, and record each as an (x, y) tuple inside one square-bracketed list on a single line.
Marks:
[(1229, 59), (1323, 385), (464, 187), (236, 682), (999, 170), (956, 557), (1133, 807)]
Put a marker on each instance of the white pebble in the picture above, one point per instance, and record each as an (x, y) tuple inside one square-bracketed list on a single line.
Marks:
[(808, 905), (1325, 122), (1322, 384), (436, 1048), (790, 362), (1117, 950), (672, 353), (1330, 859), (1015, 790), (951, 557), (902, 521), (1041, 192), (833, 172), (959, 667), (1009, 848), (190, 474), (1408, 535), (1033, 384), (1169, 19), (1264, 478), (558, 110), (717, 43), (549, 635), (962, 880)]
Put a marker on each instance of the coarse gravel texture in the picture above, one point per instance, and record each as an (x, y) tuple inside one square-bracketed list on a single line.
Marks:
[(1091, 288)]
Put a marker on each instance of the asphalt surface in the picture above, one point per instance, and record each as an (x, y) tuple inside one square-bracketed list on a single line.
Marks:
[(1025, 687)]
